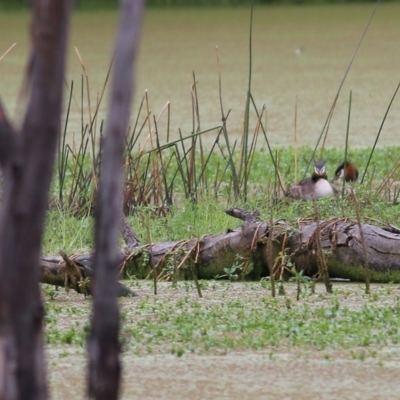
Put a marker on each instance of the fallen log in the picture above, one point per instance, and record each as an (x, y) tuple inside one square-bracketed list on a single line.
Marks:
[(73, 273), (343, 246), (77, 272), (246, 248), (340, 240)]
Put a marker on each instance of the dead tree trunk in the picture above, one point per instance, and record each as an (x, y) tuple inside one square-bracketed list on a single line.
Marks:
[(340, 240), (74, 273), (27, 159), (103, 343)]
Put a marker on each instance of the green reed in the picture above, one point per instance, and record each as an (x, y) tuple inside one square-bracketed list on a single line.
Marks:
[(379, 131), (346, 143)]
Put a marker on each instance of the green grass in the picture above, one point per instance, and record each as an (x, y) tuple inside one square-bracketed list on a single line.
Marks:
[(67, 233), (185, 219)]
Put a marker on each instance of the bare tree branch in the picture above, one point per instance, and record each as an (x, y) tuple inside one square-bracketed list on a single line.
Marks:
[(130, 238), (103, 343), (25, 199)]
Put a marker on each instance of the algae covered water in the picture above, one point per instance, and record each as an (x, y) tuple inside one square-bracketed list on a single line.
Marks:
[(299, 52)]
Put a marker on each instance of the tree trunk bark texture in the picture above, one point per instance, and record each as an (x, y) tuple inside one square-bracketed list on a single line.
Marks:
[(27, 159)]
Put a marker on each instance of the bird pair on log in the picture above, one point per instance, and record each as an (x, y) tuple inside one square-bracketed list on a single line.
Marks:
[(318, 185)]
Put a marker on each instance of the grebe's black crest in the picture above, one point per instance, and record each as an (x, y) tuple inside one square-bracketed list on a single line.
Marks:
[(319, 170)]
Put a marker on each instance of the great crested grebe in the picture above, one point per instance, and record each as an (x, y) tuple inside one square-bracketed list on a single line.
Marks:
[(315, 187), (346, 170)]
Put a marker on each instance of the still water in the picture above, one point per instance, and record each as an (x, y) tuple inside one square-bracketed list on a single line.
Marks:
[(298, 52)]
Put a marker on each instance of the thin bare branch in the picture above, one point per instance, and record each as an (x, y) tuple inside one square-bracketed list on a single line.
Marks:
[(127, 233), (103, 343)]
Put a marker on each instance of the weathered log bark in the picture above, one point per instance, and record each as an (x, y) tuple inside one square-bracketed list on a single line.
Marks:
[(56, 271), (210, 254), (340, 240)]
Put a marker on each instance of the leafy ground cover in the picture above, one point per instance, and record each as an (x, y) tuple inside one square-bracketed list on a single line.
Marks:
[(180, 345)]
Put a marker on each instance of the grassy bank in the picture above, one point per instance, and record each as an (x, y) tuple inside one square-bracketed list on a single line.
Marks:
[(192, 214)]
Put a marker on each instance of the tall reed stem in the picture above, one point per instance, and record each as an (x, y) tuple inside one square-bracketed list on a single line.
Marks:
[(365, 252), (346, 145), (270, 254), (379, 132), (245, 138)]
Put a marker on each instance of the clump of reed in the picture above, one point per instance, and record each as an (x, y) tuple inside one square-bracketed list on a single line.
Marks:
[(157, 173), (160, 171)]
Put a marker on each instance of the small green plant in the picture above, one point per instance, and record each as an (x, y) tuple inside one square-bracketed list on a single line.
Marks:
[(84, 285), (204, 284), (300, 280), (265, 283), (281, 289), (233, 272), (64, 354), (51, 291)]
